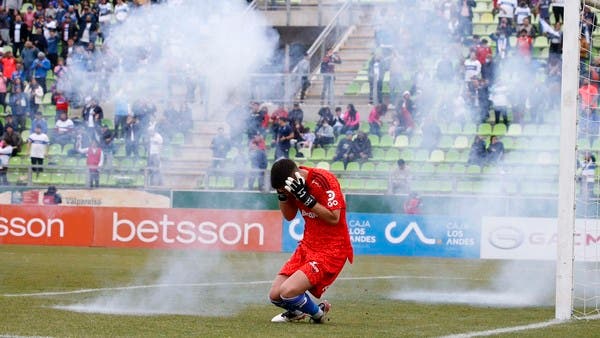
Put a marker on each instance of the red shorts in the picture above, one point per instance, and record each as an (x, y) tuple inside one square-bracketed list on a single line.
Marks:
[(321, 270)]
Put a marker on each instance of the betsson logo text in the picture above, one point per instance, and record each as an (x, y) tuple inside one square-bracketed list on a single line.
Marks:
[(35, 227), (186, 232)]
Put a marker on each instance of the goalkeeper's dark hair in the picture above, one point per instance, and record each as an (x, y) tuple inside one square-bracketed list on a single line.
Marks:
[(280, 171)]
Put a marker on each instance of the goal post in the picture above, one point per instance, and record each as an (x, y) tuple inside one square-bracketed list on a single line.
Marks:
[(567, 157)]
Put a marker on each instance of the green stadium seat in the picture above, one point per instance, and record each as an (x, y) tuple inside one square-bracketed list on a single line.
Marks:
[(422, 155), (461, 142), (367, 167), (401, 141), (458, 169), (541, 42), (15, 161), (386, 141), (323, 165), (378, 154), (376, 185), (415, 141), (469, 129), (499, 129), (484, 129), (352, 89), (356, 184), (394, 154), (436, 156), (583, 144), (446, 142), (25, 135), (42, 178), (442, 168), (427, 168), (515, 129), (55, 150), (374, 140), (548, 130), (318, 154), (452, 155), (353, 166), (473, 169), (383, 167), (487, 18), (464, 186), (364, 89), (337, 166)]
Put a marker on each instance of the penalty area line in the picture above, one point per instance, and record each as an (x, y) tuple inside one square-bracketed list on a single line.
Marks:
[(215, 284), (511, 329)]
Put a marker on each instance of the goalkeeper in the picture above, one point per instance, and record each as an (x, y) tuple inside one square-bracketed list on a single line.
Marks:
[(325, 247)]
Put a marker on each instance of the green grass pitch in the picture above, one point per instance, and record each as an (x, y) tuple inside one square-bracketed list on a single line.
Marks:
[(362, 307)]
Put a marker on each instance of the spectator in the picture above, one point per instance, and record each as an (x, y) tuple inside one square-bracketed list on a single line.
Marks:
[(8, 120), (220, 146), (95, 160), (91, 114), (375, 116), (12, 138), (132, 134), (37, 149), (52, 41), (542, 9), (556, 41), (81, 144), (296, 114), (412, 205), (480, 100), (351, 119), (324, 136), (62, 104), (524, 44), (106, 143), (495, 150), (465, 22), (558, 8), (121, 11), (342, 152), (326, 115), (337, 122), (477, 154), (6, 151), (588, 94), (431, 134), (282, 140), (258, 161), (405, 112), (38, 120), (588, 175), (154, 151), (507, 10), (376, 71), (28, 55), (255, 120), (500, 101), (361, 149), (472, 67), (39, 69), (482, 52), (3, 90), (395, 128), (488, 70), (121, 115), (19, 105), (303, 70), (522, 12), (9, 64), (36, 94), (105, 11), (51, 197), (18, 34), (328, 63), (399, 178), (63, 130), (277, 113), (526, 26), (501, 36)]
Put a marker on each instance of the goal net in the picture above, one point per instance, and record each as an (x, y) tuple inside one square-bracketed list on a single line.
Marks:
[(578, 262)]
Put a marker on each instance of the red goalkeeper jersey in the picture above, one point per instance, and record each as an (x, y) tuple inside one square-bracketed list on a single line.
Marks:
[(321, 238)]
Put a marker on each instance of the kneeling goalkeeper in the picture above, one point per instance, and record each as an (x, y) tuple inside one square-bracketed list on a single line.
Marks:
[(325, 247)]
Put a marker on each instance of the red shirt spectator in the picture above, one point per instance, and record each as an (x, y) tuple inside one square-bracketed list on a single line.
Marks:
[(9, 65), (524, 44), (589, 95), (482, 51)]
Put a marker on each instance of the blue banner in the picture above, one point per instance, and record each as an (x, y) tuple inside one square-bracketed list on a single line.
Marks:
[(401, 235)]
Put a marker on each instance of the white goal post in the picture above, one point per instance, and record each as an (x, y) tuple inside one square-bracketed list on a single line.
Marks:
[(567, 171)]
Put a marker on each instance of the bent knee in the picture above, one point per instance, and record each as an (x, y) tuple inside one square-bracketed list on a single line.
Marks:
[(274, 294)]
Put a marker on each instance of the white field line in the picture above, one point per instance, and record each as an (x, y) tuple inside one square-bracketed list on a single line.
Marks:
[(14, 336), (512, 329), (213, 284)]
